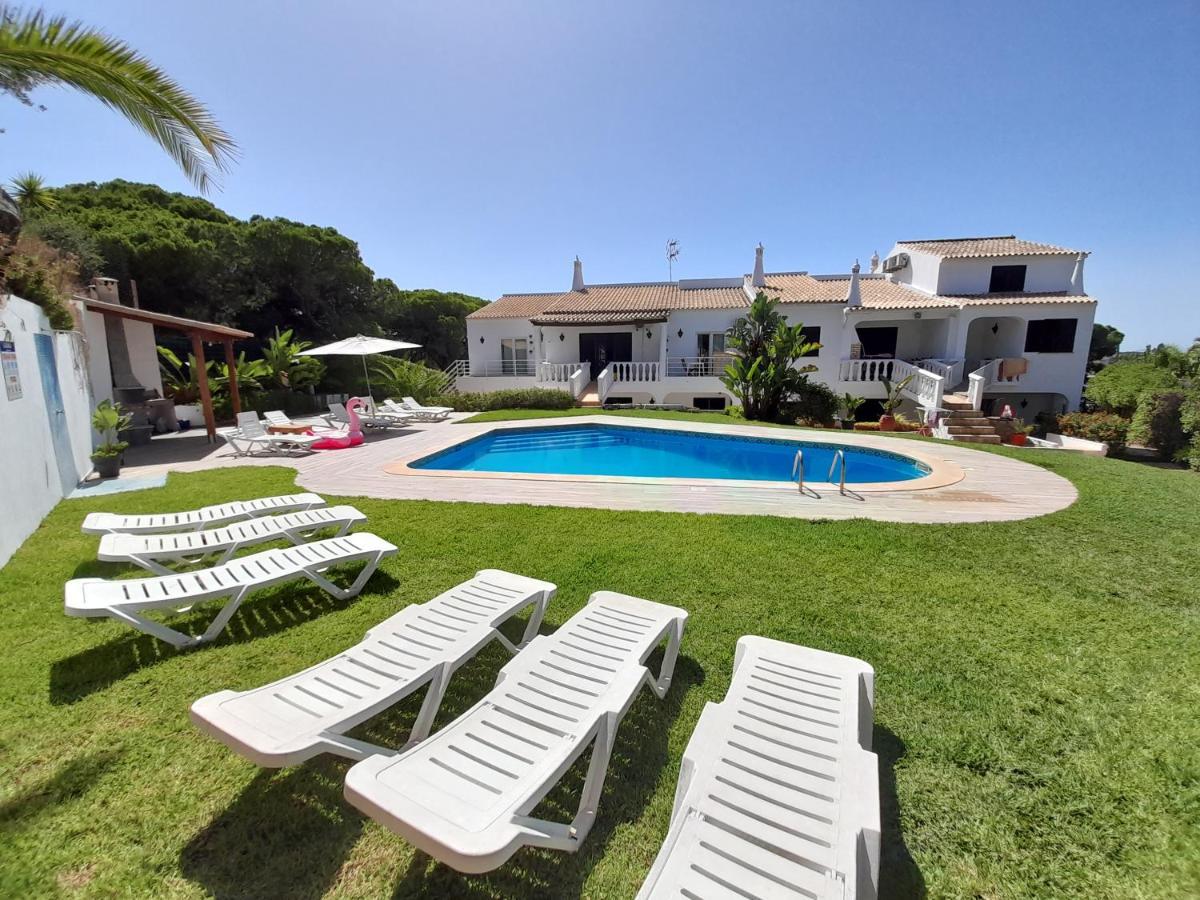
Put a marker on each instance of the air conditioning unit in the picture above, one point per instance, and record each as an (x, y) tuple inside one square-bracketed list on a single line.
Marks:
[(896, 262)]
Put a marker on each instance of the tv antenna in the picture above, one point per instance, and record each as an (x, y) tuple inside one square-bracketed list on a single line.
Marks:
[(672, 255)]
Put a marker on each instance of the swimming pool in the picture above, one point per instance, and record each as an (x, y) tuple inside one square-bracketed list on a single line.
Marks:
[(597, 449)]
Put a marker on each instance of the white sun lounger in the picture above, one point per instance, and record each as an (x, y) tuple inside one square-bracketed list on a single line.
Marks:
[(127, 599), (251, 437), (189, 548), (339, 417), (277, 417), (422, 413), (464, 795), (195, 519), (298, 717), (777, 795)]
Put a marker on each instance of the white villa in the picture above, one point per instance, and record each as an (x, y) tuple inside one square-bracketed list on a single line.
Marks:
[(994, 319)]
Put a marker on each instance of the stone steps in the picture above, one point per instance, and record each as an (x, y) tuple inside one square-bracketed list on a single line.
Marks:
[(966, 424)]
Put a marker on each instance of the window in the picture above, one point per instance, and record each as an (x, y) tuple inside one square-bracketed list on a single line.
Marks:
[(709, 343), (1007, 279), (1050, 336), (878, 343), (708, 402), (812, 334), (514, 356)]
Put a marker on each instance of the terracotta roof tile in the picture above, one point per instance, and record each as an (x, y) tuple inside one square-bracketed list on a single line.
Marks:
[(613, 298), (1003, 245), (1019, 297), (602, 317), (877, 292)]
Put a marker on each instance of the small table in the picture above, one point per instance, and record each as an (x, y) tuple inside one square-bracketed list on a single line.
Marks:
[(288, 429)]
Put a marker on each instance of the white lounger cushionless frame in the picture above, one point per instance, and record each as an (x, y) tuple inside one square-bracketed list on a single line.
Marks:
[(422, 413), (298, 717), (188, 548), (252, 437), (339, 417), (195, 519), (778, 795), (464, 795), (128, 598)]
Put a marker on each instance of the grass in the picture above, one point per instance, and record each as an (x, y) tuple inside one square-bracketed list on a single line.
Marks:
[(1036, 696)]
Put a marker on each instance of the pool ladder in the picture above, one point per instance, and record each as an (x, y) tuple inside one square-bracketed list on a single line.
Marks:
[(798, 470)]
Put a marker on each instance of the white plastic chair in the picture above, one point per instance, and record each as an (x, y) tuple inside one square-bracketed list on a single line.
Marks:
[(778, 793), (291, 720), (129, 599), (190, 548), (464, 795), (195, 519)]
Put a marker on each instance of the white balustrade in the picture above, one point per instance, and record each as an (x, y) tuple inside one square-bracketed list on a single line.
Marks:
[(926, 387), (580, 379), (634, 372), (604, 382), (869, 369), (554, 373)]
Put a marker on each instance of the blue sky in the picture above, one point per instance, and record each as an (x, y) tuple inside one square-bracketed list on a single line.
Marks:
[(481, 146)]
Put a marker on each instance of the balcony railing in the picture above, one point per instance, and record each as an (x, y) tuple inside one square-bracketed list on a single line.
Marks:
[(552, 373), (501, 367), (926, 387), (696, 366), (634, 372)]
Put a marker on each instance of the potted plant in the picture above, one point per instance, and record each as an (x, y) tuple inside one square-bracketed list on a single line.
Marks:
[(887, 422), (1020, 432), (108, 420), (850, 404)]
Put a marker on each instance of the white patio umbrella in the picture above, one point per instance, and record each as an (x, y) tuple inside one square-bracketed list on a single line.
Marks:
[(360, 345)]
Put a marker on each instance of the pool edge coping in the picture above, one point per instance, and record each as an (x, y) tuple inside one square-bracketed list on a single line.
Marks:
[(942, 472)]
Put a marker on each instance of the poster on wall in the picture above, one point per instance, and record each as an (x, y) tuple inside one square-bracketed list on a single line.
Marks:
[(8, 361)]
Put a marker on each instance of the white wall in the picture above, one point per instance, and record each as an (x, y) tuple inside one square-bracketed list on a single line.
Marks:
[(974, 276), (32, 482), (143, 352), (99, 371), (493, 331)]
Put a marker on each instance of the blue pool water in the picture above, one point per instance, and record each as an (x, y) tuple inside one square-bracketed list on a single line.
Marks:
[(653, 453)]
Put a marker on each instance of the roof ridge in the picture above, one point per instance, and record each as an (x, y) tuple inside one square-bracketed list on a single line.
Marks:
[(989, 237)]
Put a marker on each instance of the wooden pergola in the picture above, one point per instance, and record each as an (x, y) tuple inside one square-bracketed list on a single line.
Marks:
[(200, 333)]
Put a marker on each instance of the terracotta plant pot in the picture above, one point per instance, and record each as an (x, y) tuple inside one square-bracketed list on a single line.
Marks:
[(1018, 438), (887, 423)]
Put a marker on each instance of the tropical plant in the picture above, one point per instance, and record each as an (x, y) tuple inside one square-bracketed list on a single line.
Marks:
[(31, 193), (894, 393), (180, 381), (285, 367), (251, 373), (109, 420), (37, 50), (850, 405), (763, 373), (397, 377)]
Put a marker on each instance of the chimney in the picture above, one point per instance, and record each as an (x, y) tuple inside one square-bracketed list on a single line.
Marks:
[(105, 290), (1076, 289), (759, 279), (874, 262), (853, 296), (577, 281)]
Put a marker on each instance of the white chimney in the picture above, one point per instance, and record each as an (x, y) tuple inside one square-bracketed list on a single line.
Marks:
[(759, 279), (853, 295), (874, 262), (1076, 289), (577, 281)]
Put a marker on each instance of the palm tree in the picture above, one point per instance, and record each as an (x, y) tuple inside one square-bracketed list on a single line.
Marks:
[(37, 50), (31, 193)]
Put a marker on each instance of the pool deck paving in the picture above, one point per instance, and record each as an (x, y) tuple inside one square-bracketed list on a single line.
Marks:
[(965, 485)]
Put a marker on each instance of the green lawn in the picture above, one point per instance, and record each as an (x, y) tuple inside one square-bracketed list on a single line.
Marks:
[(1036, 718)]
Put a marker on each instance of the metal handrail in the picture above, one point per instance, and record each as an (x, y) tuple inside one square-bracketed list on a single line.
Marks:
[(838, 454), (798, 468)]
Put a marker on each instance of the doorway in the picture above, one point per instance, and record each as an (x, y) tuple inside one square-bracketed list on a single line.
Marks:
[(878, 342), (64, 457), (601, 349)]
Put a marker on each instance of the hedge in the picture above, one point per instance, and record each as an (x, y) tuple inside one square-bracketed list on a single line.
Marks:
[(524, 398), (1105, 427), (1157, 423)]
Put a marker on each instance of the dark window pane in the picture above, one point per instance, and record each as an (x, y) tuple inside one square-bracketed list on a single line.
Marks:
[(878, 343), (812, 335), (1050, 336), (1006, 279), (708, 402)]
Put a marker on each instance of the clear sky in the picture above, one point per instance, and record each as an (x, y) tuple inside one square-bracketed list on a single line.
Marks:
[(480, 146)]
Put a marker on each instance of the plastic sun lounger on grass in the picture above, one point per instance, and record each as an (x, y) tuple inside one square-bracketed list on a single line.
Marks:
[(195, 519)]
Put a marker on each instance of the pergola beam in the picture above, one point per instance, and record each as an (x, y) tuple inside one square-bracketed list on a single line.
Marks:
[(210, 420)]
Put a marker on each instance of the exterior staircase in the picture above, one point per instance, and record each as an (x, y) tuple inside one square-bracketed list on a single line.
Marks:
[(590, 396), (967, 424)]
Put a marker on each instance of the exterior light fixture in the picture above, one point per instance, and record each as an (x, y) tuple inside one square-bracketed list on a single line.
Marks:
[(561, 336), (995, 327), (481, 339), (680, 332), (917, 314)]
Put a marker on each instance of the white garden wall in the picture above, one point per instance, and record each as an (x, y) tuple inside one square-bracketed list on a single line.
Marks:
[(37, 469)]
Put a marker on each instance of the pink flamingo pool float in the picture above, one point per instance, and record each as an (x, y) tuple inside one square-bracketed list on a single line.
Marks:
[(351, 437)]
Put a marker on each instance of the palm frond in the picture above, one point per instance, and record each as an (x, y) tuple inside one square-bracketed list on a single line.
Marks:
[(36, 49)]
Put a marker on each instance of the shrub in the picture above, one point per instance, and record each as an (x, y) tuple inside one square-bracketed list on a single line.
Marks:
[(1157, 423), (866, 426), (1189, 418), (523, 398), (1117, 388), (42, 275), (1106, 427), (810, 403)]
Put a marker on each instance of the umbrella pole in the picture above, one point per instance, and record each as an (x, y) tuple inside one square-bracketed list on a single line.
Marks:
[(370, 399)]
